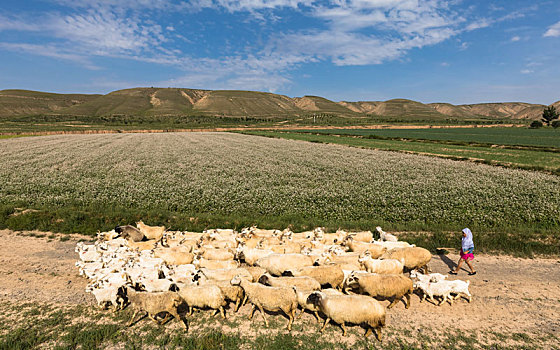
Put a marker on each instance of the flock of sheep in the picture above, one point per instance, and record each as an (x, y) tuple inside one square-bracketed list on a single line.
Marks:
[(340, 276)]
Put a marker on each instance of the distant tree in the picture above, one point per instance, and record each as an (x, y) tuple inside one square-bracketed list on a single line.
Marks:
[(549, 114), (555, 124), (536, 124)]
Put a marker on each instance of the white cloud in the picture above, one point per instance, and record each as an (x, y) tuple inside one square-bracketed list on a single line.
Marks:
[(553, 30), (481, 23), (527, 71), (515, 38), (444, 64)]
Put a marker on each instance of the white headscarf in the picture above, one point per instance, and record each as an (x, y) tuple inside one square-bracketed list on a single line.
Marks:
[(467, 242)]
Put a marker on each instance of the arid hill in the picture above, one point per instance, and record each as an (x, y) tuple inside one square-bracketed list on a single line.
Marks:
[(178, 101)]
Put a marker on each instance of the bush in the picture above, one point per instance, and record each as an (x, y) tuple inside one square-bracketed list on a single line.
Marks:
[(555, 124), (536, 124)]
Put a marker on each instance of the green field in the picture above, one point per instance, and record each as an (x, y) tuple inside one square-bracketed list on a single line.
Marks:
[(85, 183), (493, 136), (513, 158)]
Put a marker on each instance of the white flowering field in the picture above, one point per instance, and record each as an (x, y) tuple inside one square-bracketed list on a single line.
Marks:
[(247, 178)]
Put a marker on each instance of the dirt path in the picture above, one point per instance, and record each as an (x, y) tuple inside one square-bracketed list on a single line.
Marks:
[(510, 295)]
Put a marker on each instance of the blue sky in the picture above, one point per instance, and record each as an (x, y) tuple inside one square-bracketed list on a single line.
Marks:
[(431, 51)]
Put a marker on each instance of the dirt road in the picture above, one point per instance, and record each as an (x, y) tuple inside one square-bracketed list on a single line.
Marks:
[(510, 295)]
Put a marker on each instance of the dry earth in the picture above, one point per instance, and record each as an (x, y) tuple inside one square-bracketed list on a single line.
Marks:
[(512, 296)]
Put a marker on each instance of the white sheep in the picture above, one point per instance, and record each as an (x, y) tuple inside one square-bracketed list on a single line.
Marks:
[(384, 236), (276, 264), (388, 266), (155, 303)]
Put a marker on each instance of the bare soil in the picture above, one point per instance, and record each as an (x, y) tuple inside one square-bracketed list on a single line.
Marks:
[(510, 295)]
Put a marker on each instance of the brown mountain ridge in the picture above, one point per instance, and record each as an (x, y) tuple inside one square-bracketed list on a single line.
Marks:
[(179, 101)]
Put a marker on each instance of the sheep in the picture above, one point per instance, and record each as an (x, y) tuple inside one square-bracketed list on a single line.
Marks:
[(327, 274), (256, 272), (432, 277), (393, 245), (156, 285), (222, 274), (217, 254), (284, 248), (269, 298), (356, 309), (234, 294), (386, 267), (362, 236), (414, 257), (108, 294), (375, 250), (153, 304), (276, 264), (215, 264), (386, 287), (130, 233), (251, 255), (302, 283), (435, 289), (203, 296), (151, 232), (143, 245), (384, 236), (303, 295), (175, 256)]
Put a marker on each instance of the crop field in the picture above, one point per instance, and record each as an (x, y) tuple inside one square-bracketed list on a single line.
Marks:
[(530, 159), (549, 138), (82, 183)]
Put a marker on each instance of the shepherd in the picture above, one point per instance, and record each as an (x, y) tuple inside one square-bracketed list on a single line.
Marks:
[(467, 252)]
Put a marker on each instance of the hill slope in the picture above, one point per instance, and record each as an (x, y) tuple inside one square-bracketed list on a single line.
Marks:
[(25, 102)]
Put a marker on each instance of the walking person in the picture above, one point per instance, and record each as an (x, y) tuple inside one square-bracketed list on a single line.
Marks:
[(467, 252)]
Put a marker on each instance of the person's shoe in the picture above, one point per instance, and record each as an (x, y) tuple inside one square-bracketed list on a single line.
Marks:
[(472, 273), (452, 272)]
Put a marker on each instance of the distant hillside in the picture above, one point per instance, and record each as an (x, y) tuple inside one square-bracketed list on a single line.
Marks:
[(24, 102), (163, 102)]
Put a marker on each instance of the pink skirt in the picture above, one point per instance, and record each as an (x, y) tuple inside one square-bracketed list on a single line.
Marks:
[(468, 255)]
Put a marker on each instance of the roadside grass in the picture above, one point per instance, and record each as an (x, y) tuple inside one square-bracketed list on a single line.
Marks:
[(527, 241), (34, 325), (542, 160)]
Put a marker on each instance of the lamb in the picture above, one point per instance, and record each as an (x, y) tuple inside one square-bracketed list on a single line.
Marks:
[(386, 267), (384, 236), (276, 264), (392, 287), (459, 288), (151, 232), (130, 233), (432, 277), (375, 249), (154, 303), (414, 257), (356, 309), (269, 298), (435, 289), (302, 298), (326, 274), (303, 283), (203, 296)]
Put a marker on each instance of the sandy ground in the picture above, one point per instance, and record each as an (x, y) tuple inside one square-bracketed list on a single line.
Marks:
[(510, 295)]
